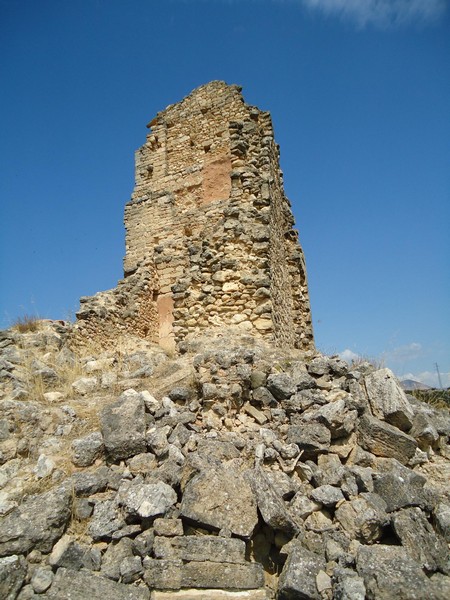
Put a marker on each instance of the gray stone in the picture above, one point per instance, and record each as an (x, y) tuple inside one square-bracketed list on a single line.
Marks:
[(80, 585), (298, 578), (383, 439), (123, 426), (143, 543), (114, 556), (68, 553), (37, 523), (442, 518), (389, 572), (223, 575), (424, 431), (41, 580), (173, 575), (348, 585), (336, 416), (13, 570), (400, 488), (387, 400), (363, 518), (84, 385), (220, 498), (87, 449), (420, 540), (281, 386), (273, 509), (89, 483), (200, 548), (105, 520), (327, 495), (168, 527), (131, 569), (312, 438), (146, 500)]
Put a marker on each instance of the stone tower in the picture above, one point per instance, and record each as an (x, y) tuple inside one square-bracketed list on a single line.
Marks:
[(209, 232)]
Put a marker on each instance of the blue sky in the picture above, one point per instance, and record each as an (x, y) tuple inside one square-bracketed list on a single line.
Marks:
[(359, 92)]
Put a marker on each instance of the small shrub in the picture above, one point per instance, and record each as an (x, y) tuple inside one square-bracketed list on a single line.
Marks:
[(26, 324)]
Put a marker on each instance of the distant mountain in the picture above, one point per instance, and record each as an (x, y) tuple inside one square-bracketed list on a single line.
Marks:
[(410, 384)]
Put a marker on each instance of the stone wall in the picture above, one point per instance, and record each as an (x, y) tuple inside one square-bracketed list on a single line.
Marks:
[(209, 232)]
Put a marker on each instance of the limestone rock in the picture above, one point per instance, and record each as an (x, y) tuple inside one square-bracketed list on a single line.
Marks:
[(298, 578), (37, 523), (146, 500), (273, 509), (13, 570), (363, 518), (389, 572), (383, 439), (80, 585), (420, 540), (123, 426), (87, 449), (219, 498), (200, 548), (387, 399)]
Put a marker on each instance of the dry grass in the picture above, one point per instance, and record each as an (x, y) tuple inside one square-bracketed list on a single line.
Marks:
[(26, 324), (436, 398)]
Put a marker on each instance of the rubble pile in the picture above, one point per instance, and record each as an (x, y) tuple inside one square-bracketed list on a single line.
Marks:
[(231, 470)]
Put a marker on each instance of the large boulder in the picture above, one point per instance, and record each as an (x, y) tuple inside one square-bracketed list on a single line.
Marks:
[(388, 401), (37, 523), (383, 439), (79, 585), (123, 426), (220, 498), (298, 578)]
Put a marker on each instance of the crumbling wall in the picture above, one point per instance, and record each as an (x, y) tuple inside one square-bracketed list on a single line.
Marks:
[(209, 220)]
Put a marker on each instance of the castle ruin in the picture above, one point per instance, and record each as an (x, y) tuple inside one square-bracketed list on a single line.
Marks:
[(210, 242)]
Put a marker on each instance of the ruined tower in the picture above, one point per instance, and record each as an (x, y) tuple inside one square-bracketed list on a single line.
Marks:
[(209, 232)]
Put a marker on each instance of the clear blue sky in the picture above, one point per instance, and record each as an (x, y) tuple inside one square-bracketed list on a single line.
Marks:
[(359, 93)]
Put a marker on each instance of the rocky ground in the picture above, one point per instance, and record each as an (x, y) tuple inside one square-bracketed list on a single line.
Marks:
[(231, 470)]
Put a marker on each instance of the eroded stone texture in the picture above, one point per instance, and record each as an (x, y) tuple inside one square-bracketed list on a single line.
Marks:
[(209, 232)]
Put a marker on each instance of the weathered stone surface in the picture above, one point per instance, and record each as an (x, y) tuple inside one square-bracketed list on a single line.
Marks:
[(146, 500), (219, 498), (389, 572), (312, 438), (200, 548), (383, 439), (298, 578), (123, 426), (87, 449), (327, 495), (68, 553), (223, 575), (210, 176), (88, 483), (105, 520), (210, 594), (80, 585), (281, 386), (273, 509), (400, 488), (420, 540), (13, 570), (41, 580), (387, 399), (363, 518), (168, 527), (114, 556), (37, 523), (442, 517)]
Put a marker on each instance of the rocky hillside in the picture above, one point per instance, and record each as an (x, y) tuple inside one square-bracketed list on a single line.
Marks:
[(231, 470)]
